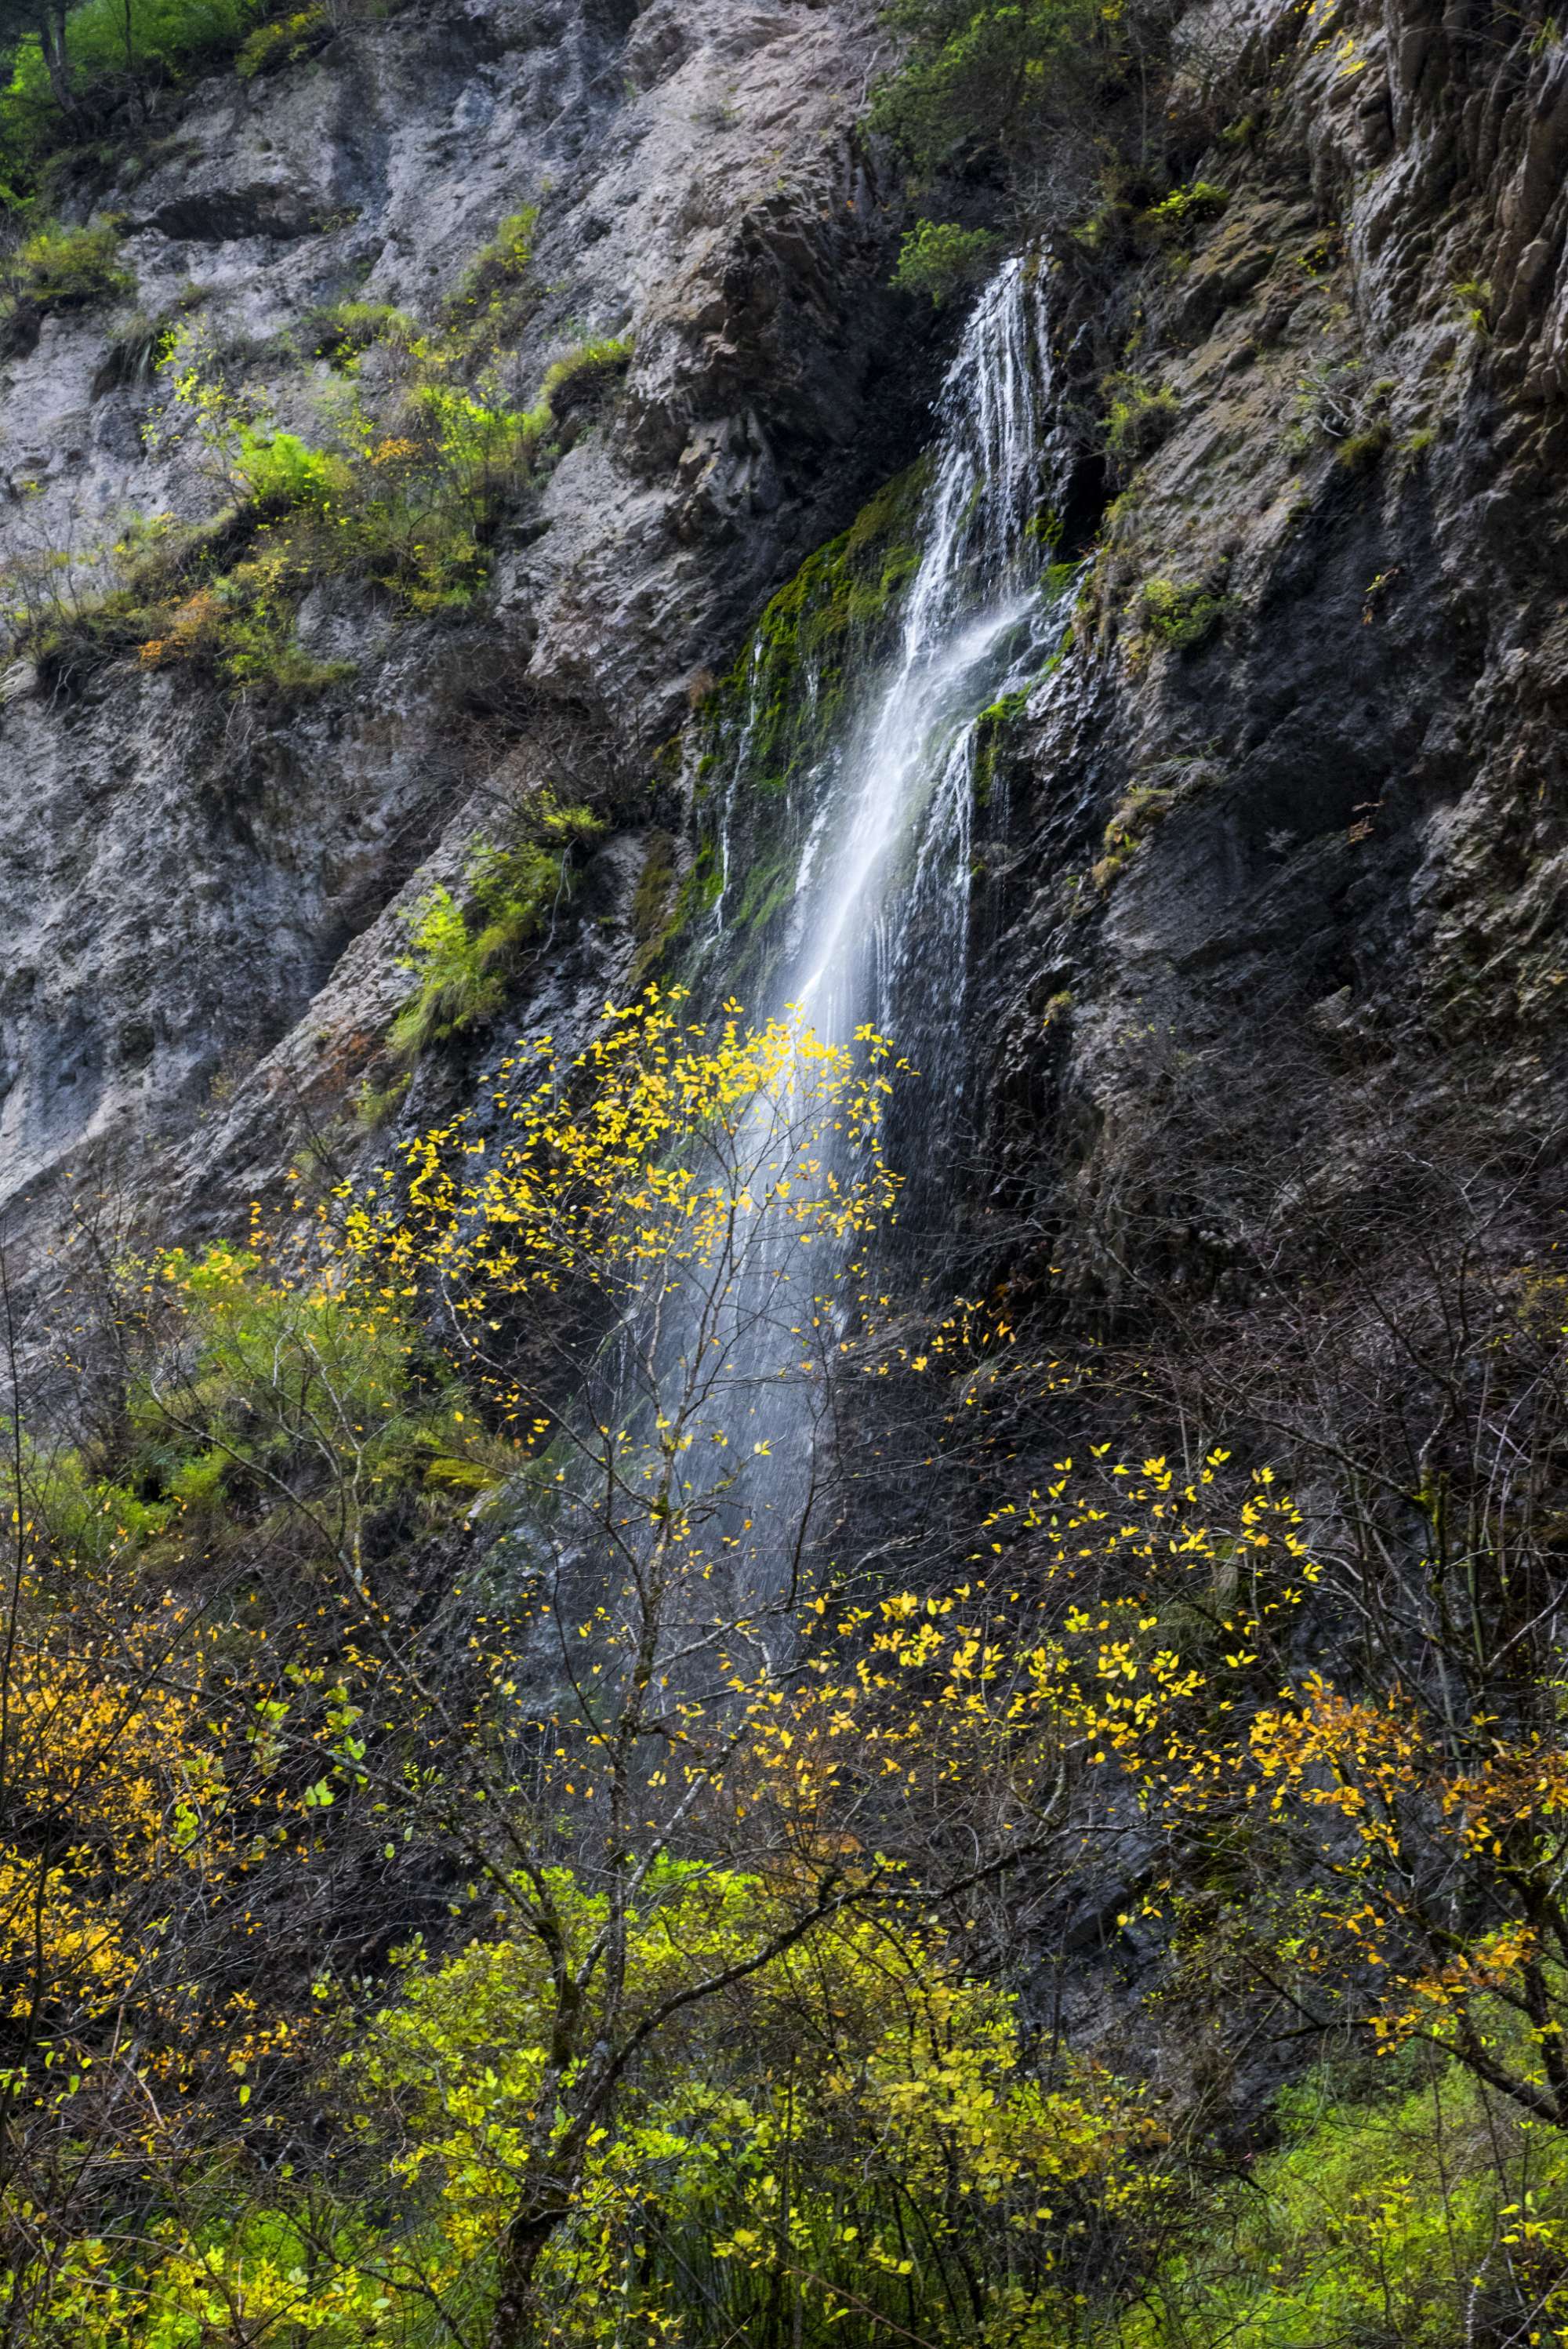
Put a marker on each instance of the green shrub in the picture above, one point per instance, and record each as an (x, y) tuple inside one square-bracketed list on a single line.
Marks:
[(1181, 617), (460, 960), (1140, 416), (85, 1515), (1180, 212), (1379, 2220), (284, 42), (406, 496), (342, 332), (109, 41), (277, 469), (68, 268), (198, 1482), (939, 259), (1472, 297), (240, 1405), (992, 81), (257, 650), (583, 370), (1360, 451), (1136, 817), (493, 296), (408, 510)]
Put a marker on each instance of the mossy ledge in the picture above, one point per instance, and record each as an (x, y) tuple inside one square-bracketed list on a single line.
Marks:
[(818, 637), (763, 734)]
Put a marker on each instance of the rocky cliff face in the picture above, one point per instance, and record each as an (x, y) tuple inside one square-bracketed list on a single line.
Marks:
[(203, 893), (1276, 865), (1279, 907)]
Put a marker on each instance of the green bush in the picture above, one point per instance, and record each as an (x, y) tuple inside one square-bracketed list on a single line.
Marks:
[(68, 268), (405, 494), (460, 958), (284, 42), (83, 1514), (493, 296), (256, 650), (1360, 451), (1179, 616), (1183, 211), (108, 43), (1473, 299), (277, 469), (1378, 2221), (342, 332), (939, 259), (993, 79), (1140, 415), (583, 370), (239, 1406), (1131, 822)]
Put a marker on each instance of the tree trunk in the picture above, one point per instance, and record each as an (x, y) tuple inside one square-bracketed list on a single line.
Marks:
[(513, 2326), (57, 61)]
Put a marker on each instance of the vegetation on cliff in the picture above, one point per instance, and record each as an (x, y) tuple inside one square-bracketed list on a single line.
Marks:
[(473, 1867), (403, 492), (586, 1755)]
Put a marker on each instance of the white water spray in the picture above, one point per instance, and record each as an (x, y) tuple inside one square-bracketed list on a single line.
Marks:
[(883, 888)]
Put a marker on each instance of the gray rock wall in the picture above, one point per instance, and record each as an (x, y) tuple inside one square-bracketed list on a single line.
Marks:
[(203, 895), (1278, 904)]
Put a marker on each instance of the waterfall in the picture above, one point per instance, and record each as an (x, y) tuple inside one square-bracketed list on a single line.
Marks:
[(879, 929), (883, 890), (854, 746)]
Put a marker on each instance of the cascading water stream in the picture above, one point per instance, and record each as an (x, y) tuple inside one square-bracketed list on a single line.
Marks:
[(878, 932), (887, 868)]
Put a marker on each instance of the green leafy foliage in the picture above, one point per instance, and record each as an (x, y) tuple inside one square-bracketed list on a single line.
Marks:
[(992, 79), (460, 958), (277, 469), (1180, 616), (1184, 209), (67, 269), (86, 1513), (503, 263), (1412, 2213), (285, 41), (494, 296), (859, 2180), (245, 1387), (1360, 451), (939, 259), (1139, 416), (109, 45), (404, 492), (584, 370), (342, 332)]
